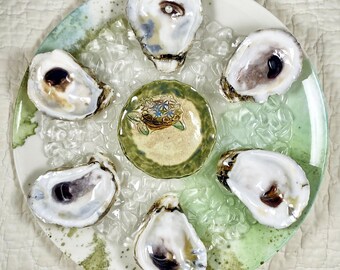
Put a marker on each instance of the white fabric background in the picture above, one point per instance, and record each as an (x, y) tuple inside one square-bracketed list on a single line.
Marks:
[(24, 24)]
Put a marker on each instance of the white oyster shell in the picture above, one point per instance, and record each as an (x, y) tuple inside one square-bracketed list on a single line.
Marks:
[(75, 197), (267, 62), (165, 29), (59, 87), (273, 186), (166, 240)]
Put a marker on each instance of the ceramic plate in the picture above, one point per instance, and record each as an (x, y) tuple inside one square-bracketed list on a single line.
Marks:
[(98, 35)]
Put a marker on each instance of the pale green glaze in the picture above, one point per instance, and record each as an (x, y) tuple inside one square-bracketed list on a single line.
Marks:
[(23, 114), (72, 34), (237, 241), (98, 259), (71, 232), (60, 37), (259, 243)]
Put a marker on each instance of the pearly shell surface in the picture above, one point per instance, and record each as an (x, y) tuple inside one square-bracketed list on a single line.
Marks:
[(166, 239), (165, 29), (273, 186), (59, 87), (75, 197), (267, 62)]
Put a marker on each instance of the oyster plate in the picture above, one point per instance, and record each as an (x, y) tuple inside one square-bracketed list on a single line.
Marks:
[(294, 124)]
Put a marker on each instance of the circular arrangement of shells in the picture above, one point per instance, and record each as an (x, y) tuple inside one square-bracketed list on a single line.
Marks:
[(271, 185)]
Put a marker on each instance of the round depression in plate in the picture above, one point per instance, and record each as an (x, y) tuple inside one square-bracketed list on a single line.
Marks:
[(98, 35), (167, 129)]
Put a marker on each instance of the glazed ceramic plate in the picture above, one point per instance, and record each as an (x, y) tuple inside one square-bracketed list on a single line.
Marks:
[(98, 35)]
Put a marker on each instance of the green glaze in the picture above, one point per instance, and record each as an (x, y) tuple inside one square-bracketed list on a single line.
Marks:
[(265, 240), (301, 143), (23, 126), (234, 240), (60, 37), (138, 158), (206, 203), (71, 232), (257, 243), (300, 126), (72, 35), (76, 23), (98, 259), (223, 259)]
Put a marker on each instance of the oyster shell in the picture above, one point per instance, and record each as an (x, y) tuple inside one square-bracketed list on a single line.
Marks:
[(273, 186), (75, 197), (165, 29), (59, 87), (267, 62), (166, 240)]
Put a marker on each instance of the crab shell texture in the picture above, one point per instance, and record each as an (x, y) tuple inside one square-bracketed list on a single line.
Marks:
[(267, 62), (272, 186), (75, 197), (59, 87), (166, 239), (165, 29)]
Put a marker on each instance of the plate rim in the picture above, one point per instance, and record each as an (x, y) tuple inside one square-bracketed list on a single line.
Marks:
[(239, 3)]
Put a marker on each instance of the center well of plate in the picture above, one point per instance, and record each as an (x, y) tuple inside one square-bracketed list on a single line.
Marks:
[(166, 129)]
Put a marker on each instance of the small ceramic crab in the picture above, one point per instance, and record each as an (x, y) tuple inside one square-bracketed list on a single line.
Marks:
[(157, 113)]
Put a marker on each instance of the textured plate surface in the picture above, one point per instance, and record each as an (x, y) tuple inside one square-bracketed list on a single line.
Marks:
[(305, 139)]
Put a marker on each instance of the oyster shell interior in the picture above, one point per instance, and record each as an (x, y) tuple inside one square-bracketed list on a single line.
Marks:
[(273, 186), (75, 197), (166, 239), (267, 62), (165, 29), (59, 87)]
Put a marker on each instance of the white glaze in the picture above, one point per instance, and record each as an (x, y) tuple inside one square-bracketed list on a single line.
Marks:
[(79, 248), (87, 208), (80, 98), (248, 55), (169, 228), (253, 174), (162, 34)]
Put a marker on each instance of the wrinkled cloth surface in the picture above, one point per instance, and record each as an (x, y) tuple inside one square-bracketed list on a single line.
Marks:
[(25, 23)]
